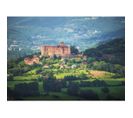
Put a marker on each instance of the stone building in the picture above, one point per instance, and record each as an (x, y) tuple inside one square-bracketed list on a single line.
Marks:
[(59, 50), (31, 61)]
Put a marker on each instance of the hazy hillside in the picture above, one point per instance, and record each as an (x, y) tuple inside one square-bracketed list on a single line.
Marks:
[(26, 34), (110, 51)]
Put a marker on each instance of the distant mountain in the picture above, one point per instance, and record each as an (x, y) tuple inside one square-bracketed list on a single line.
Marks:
[(22, 43), (26, 34)]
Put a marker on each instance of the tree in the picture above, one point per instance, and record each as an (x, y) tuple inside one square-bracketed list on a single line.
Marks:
[(105, 90), (73, 88), (99, 83), (51, 84), (110, 97), (48, 84), (74, 50), (12, 95), (10, 77), (91, 59), (27, 89), (123, 83), (88, 95), (83, 76), (112, 52)]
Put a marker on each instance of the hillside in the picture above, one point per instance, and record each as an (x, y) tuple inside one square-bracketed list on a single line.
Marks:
[(110, 51), (26, 34)]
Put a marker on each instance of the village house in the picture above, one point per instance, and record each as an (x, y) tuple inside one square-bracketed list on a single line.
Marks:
[(31, 61)]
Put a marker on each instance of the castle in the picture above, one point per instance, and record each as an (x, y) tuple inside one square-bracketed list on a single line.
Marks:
[(59, 50)]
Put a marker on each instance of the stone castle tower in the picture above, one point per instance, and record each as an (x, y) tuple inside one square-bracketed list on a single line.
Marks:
[(59, 50)]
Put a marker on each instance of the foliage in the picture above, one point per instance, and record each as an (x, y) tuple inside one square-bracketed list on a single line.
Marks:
[(89, 95), (27, 89), (112, 52), (51, 84), (95, 83), (91, 59), (26, 77), (73, 88), (102, 65), (70, 78), (105, 90), (74, 50)]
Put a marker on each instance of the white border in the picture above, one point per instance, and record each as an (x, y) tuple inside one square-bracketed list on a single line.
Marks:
[(65, 109)]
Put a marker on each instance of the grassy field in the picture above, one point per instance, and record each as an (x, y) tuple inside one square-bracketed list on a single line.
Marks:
[(90, 73), (77, 72), (33, 71), (100, 74)]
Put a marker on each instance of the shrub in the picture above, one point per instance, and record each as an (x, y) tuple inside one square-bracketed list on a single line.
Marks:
[(70, 78), (105, 90), (27, 89), (73, 88), (51, 84), (109, 97), (12, 95)]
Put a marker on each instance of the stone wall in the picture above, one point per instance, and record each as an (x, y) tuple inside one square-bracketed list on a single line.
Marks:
[(59, 50)]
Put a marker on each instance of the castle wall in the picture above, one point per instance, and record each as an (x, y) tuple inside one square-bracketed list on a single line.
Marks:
[(60, 50)]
